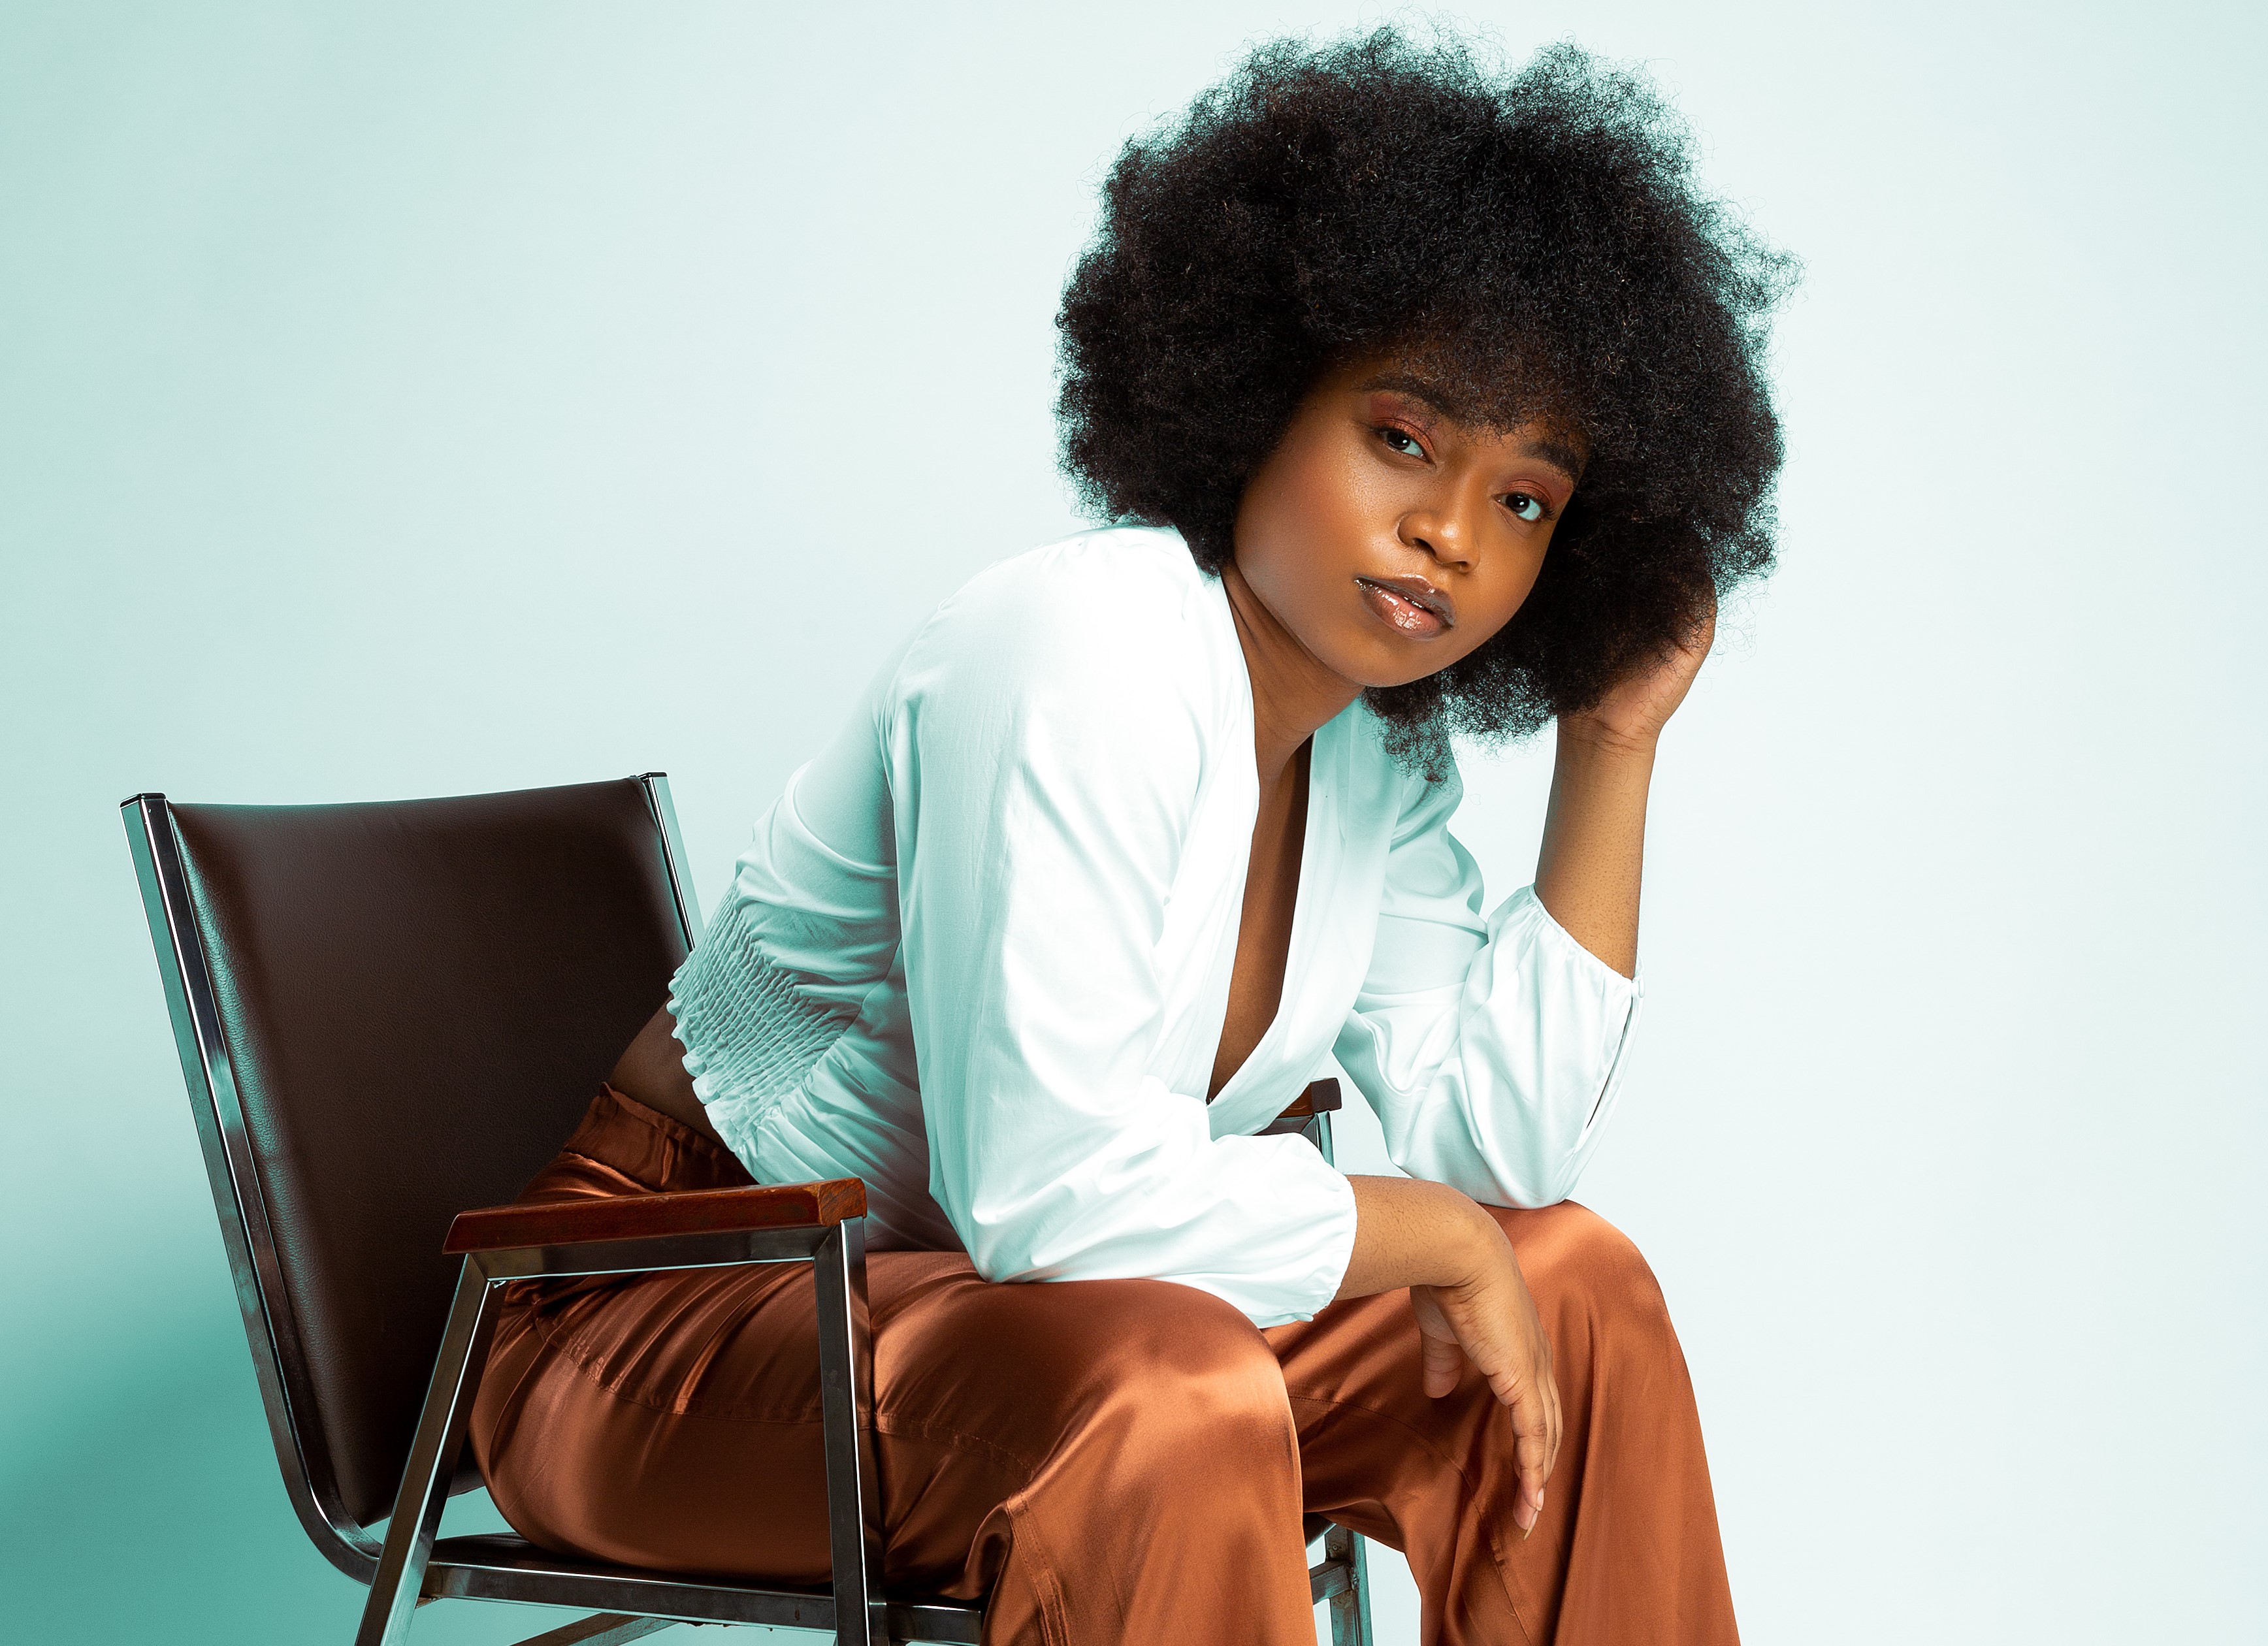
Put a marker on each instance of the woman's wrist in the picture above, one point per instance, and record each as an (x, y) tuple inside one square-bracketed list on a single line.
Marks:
[(1473, 1245), (1587, 737), (1484, 1249)]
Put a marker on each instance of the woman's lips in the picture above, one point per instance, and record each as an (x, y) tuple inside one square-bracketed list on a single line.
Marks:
[(1410, 605)]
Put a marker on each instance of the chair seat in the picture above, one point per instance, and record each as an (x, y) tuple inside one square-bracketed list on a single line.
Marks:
[(499, 1567), (492, 1566)]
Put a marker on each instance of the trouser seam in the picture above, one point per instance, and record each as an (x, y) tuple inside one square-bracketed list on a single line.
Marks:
[(1047, 1588)]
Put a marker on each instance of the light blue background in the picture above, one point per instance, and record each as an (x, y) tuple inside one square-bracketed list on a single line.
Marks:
[(428, 399)]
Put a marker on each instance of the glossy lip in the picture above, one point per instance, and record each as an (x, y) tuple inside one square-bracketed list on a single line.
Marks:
[(1419, 593)]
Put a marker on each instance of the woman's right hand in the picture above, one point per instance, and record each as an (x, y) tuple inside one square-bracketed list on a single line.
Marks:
[(1473, 1309), (1489, 1323)]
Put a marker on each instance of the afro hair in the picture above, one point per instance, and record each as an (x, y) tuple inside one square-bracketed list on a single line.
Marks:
[(1532, 244)]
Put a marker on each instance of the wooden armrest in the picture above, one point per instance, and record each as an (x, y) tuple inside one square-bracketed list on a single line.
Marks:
[(1322, 1097), (634, 1216), (709, 1211)]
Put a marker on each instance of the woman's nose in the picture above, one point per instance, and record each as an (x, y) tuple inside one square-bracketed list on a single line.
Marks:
[(1441, 533)]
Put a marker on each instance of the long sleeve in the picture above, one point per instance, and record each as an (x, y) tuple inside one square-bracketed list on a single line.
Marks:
[(1490, 1046), (1044, 749)]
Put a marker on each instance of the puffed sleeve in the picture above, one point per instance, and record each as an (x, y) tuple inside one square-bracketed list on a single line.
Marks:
[(1490, 1046), (1046, 745)]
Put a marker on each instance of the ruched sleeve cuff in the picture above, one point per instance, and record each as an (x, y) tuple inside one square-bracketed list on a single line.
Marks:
[(750, 1037)]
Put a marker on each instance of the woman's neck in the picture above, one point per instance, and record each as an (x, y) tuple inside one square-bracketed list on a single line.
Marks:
[(1292, 691)]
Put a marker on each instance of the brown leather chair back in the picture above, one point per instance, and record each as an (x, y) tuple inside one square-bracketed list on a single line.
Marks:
[(417, 999)]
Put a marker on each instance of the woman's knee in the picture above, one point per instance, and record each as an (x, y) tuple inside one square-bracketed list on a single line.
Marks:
[(1580, 1267), (1060, 1350), (1186, 1373)]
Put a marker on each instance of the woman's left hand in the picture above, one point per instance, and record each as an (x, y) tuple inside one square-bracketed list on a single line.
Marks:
[(1637, 706)]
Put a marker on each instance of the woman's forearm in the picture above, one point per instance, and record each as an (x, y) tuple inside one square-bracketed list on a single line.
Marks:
[(1409, 1232), (1588, 869)]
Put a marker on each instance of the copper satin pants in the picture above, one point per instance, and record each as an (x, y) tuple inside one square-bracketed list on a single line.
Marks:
[(1110, 1461)]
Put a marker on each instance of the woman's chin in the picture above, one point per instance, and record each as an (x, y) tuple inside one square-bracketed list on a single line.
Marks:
[(1373, 667)]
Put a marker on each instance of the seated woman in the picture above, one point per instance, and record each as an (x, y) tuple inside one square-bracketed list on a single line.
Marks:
[(1429, 403)]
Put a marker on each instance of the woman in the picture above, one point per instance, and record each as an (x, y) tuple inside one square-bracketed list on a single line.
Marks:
[(1434, 404)]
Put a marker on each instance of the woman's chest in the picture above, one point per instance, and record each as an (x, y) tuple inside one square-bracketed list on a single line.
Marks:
[(1263, 931), (1268, 931)]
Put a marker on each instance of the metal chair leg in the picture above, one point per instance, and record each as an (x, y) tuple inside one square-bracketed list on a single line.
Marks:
[(394, 1592), (846, 1397), (1350, 1607)]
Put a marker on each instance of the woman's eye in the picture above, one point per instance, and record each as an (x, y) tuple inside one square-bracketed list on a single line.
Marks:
[(1526, 508), (1402, 441)]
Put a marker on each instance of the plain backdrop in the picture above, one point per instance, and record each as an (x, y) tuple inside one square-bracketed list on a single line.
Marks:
[(427, 399)]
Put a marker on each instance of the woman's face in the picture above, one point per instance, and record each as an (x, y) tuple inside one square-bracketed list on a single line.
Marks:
[(1389, 539)]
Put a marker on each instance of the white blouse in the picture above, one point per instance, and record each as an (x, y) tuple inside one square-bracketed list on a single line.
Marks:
[(978, 954)]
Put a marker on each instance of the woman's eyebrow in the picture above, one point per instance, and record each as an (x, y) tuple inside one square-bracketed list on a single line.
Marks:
[(1558, 453), (1435, 398)]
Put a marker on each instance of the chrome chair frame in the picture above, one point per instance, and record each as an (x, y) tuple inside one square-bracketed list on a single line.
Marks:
[(412, 1565)]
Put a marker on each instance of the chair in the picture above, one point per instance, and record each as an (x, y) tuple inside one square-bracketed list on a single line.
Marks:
[(389, 1013)]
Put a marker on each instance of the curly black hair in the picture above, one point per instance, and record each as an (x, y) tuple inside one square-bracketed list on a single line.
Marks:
[(1534, 244)]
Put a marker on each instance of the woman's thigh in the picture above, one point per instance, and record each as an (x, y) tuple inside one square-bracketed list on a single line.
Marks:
[(673, 1421)]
